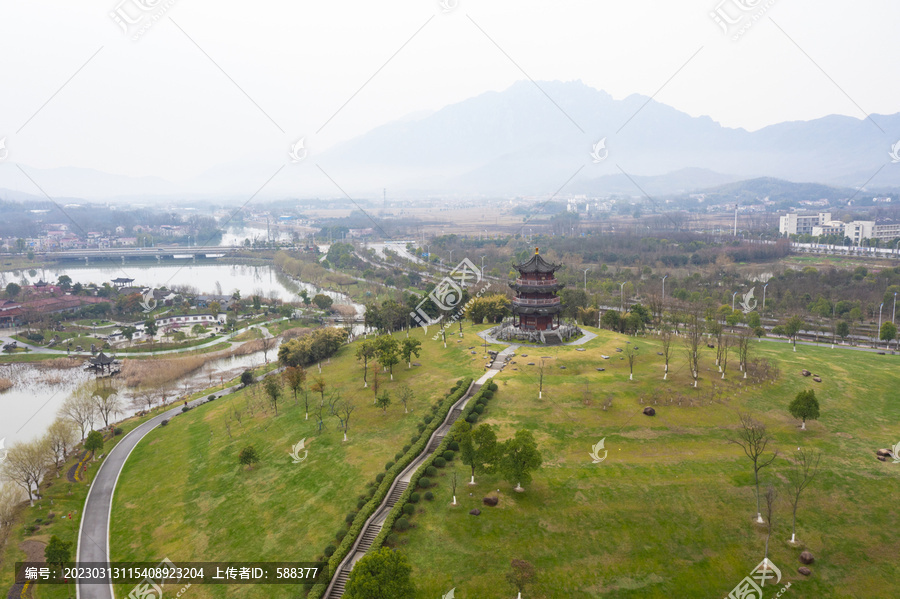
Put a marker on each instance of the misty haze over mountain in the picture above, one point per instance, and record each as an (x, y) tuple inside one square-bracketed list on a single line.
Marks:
[(520, 142)]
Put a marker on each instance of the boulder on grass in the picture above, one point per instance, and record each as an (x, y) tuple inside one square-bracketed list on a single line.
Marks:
[(648, 411), (807, 558), (817, 379), (884, 453), (475, 512), (805, 372), (492, 501), (804, 570)]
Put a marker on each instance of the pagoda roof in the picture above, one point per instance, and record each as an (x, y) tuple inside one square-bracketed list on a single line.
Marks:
[(101, 360), (537, 264)]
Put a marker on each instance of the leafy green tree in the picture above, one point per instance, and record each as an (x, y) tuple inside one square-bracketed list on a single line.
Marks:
[(64, 282), (792, 327), (214, 309), (520, 456), (322, 301), (128, 332), (246, 378), (610, 320), (805, 407), (57, 552), (842, 329), (478, 448), (888, 332), (94, 442), (383, 574), (383, 401), (295, 378), (12, 290), (248, 456), (753, 320), (387, 350), (410, 348), (273, 391), (150, 327)]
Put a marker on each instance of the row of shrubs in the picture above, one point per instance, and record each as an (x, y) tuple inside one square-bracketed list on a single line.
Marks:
[(377, 490), (421, 479)]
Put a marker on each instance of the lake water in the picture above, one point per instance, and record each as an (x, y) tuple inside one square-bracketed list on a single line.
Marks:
[(31, 404)]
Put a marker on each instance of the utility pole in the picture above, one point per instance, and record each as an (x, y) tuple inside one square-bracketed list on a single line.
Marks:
[(664, 287), (586, 270)]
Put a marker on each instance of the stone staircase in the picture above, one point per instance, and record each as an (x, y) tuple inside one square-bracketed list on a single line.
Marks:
[(371, 530), (395, 496), (340, 583)]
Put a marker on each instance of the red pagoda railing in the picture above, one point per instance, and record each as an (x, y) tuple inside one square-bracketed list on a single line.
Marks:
[(536, 283), (553, 301)]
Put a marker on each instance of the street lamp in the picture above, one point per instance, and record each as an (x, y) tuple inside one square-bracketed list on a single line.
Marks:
[(894, 310), (764, 296), (878, 332), (451, 256), (586, 270), (664, 286), (482, 266), (732, 300), (622, 289)]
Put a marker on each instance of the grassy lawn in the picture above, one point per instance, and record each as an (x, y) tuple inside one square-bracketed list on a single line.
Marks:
[(183, 482), (669, 513), (66, 498)]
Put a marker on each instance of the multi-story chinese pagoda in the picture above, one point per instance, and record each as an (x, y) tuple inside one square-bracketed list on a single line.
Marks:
[(536, 306)]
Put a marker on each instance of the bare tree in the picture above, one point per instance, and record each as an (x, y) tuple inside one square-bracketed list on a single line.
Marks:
[(80, 409), (801, 474), (106, 402), (10, 497), (60, 437), (346, 409), (541, 380), (743, 348), (724, 344), (405, 395), (753, 438), (666, 337), (770, 517), (238, 415), (692, 337), (630, 355), (25, 465), (267, 342)]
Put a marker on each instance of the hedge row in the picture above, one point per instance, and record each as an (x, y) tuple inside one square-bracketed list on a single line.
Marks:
[(486, 392), (375, 502)]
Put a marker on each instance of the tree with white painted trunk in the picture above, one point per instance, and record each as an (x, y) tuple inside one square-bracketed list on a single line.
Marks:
[(802, 472), (666, 337), (478, 448), (753, 438), (518, 458), (805, 407)]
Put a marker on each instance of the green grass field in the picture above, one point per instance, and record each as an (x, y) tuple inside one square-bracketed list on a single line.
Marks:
[(183, 482), (667, 514)]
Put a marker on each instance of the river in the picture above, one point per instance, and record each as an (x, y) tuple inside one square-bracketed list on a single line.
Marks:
[(31, 404)]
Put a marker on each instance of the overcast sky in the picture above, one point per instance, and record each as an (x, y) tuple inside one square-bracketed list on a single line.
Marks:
[(212, 83)]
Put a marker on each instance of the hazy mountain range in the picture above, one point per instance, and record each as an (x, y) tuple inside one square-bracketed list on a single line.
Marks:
[(530, 141)]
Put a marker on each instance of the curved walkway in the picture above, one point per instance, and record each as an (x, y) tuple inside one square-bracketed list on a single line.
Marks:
[(93, 532), (33, 349)]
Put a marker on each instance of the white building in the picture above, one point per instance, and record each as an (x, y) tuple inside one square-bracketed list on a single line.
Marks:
[(794, 223)]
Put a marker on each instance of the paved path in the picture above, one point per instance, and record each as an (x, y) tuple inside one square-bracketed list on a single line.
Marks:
[(93, 533), (33, 349)]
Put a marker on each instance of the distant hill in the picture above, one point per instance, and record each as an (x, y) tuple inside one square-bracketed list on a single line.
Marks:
[(518, 141)]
